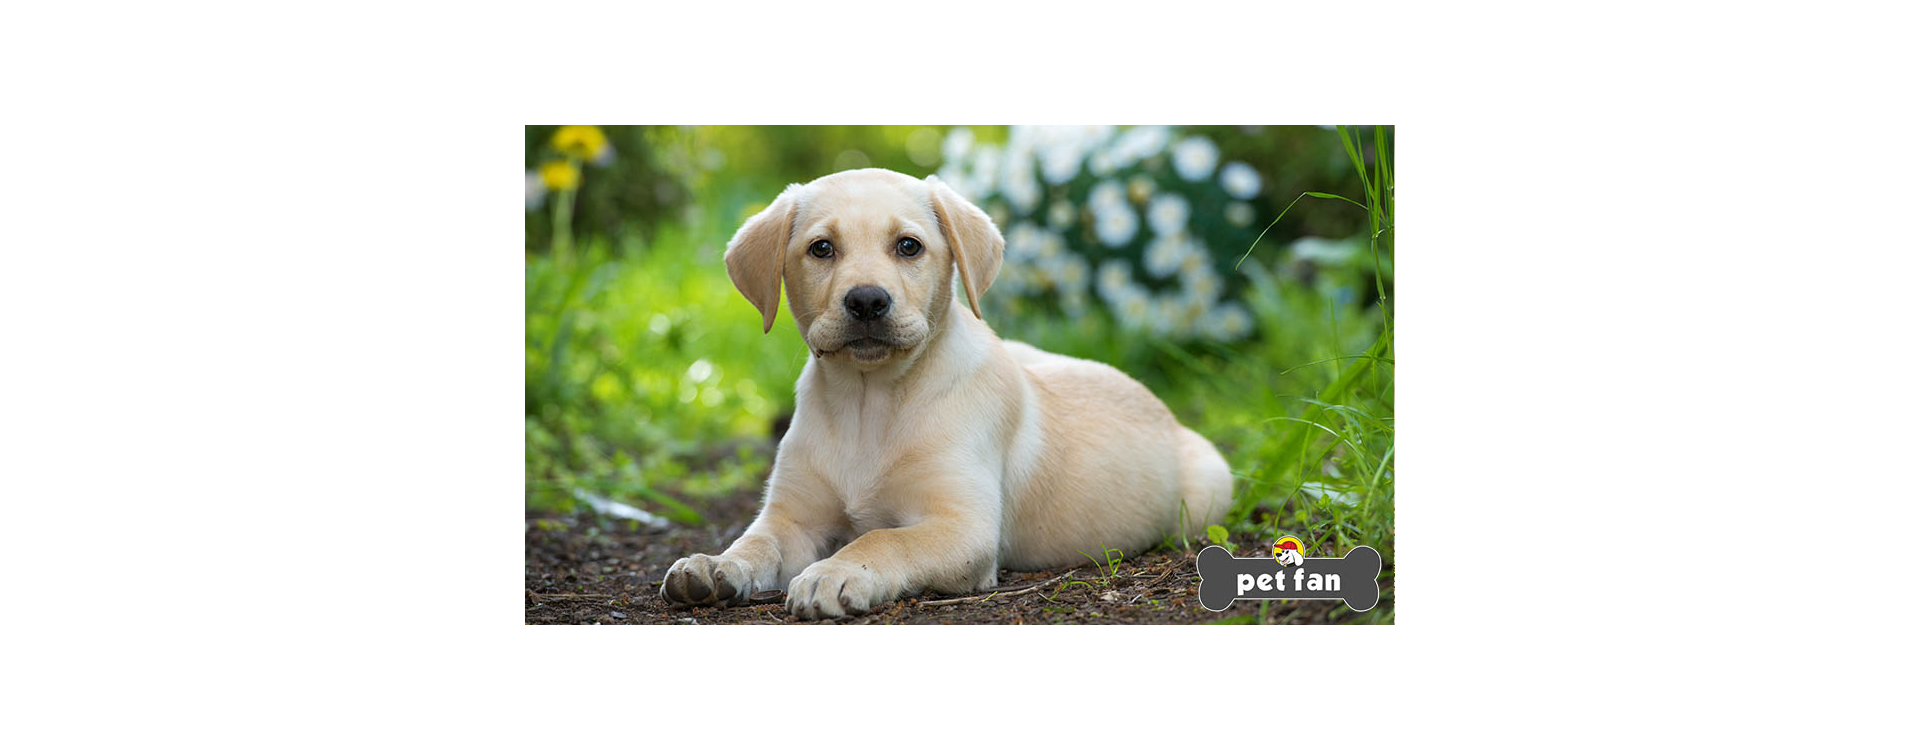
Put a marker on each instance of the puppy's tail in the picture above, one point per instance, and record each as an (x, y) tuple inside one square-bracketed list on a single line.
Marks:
[(1206, 484)]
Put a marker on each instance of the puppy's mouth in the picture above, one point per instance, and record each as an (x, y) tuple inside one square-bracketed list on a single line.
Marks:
[(863, 349)]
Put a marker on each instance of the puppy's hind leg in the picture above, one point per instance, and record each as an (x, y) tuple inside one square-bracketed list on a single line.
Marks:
[(1206, 484)]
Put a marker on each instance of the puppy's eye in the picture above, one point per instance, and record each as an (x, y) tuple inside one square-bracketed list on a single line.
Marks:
[(907, 247), (821, 249)]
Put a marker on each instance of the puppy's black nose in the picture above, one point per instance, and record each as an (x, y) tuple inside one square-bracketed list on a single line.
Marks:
[(867, 302)]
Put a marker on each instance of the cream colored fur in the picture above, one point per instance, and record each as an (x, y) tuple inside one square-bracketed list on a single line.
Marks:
[(931, 461)]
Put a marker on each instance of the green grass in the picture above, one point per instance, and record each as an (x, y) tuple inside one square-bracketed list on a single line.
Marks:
[(647, 376), (1107, 567), (648, 379)]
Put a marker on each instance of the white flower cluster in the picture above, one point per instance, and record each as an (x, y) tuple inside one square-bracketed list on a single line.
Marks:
[(1037, 260), (1063, 195)]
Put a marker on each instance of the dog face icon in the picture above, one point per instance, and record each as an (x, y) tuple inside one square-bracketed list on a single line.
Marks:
[(1287, 550)]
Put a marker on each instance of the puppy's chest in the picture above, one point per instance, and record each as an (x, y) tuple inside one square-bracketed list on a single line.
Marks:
[(855, 456)]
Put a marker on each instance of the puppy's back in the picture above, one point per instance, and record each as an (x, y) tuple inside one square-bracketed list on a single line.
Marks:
[(1110, 467)]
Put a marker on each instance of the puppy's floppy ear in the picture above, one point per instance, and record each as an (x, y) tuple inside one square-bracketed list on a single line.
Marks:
[(756, 252), (976, 242)]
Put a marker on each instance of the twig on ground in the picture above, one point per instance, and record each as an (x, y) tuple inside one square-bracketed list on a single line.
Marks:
[(1163, 574), (1001, 590), (609, 597)]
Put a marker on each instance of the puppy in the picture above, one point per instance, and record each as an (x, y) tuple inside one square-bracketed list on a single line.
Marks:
[(925, 453)]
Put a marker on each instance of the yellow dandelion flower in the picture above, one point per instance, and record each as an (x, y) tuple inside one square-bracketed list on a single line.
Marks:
[(579, 141), (560, 175)]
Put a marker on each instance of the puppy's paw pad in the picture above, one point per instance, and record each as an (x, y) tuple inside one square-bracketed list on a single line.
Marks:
[(699, 589)]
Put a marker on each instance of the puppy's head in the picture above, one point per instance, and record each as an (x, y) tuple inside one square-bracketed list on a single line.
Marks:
[(868, 257)]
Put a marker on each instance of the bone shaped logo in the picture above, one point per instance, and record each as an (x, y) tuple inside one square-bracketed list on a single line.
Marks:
[(1354, 578)]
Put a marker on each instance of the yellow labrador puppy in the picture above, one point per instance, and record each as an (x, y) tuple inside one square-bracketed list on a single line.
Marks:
[(926, 453)]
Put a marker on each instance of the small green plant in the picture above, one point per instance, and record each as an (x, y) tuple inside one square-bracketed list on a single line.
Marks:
[(1109, 572), (1218, 535), (1110, 569)]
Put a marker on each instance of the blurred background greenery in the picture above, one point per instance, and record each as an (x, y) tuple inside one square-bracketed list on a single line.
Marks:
[(1185, 256)]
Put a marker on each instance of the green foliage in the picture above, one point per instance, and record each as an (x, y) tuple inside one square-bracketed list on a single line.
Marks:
[(1218, 535), (645, 370)]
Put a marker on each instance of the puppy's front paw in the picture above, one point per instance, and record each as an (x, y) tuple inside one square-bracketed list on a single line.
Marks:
[(836, 588), (706, 579)]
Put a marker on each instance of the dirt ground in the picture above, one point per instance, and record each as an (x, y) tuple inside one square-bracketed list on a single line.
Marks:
[(584, 569)]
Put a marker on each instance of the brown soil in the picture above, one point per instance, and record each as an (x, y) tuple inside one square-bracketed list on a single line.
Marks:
[(585, 569)]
